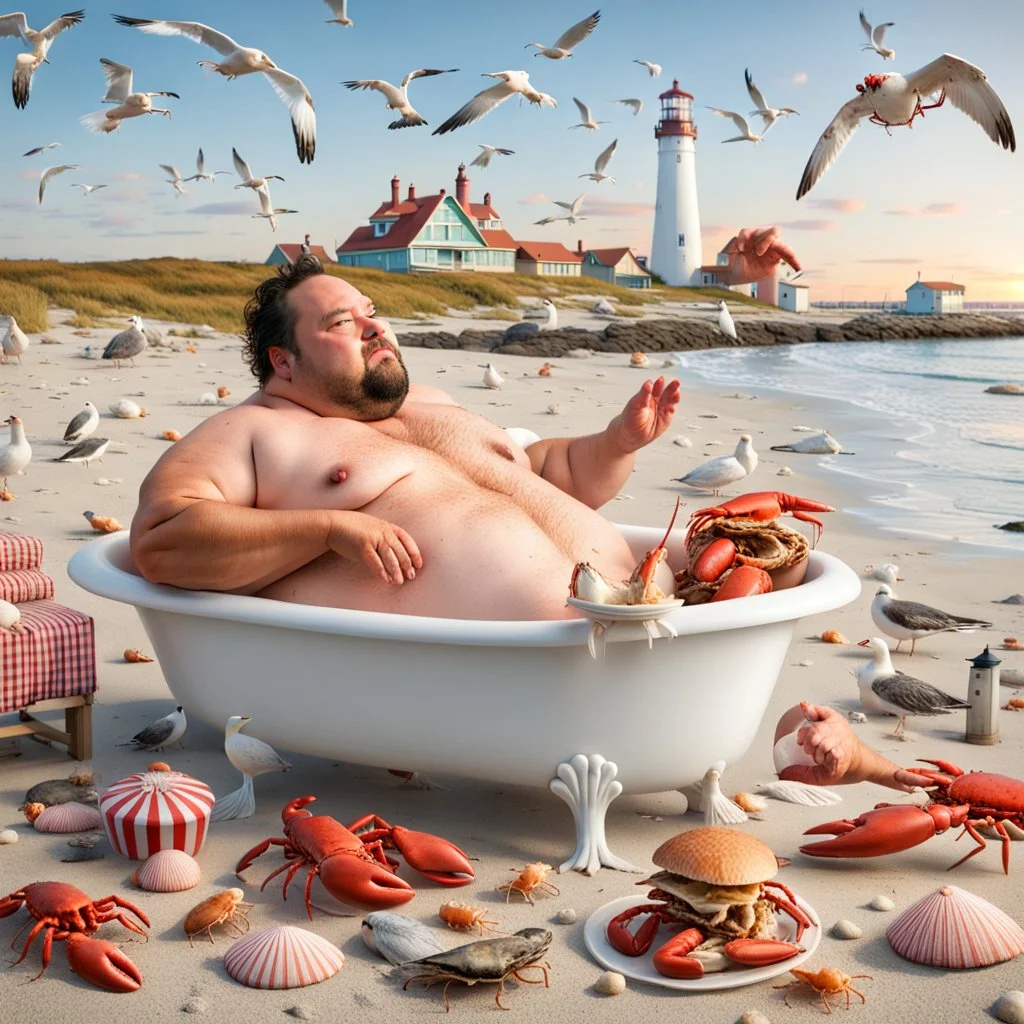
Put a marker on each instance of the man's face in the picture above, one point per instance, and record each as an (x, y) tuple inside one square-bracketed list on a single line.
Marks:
[(346, 356)]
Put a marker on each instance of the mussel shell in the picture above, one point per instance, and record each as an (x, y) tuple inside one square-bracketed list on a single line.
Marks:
[(60, 791), (489, 959)]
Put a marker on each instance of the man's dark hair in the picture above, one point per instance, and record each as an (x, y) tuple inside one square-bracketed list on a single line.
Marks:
[(269, 320)]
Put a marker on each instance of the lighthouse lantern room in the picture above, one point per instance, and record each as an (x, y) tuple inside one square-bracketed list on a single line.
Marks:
[(676, 253)]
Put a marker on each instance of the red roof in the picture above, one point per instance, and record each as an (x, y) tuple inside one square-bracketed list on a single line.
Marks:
[(387, 210), (611, 257), (404, 230), (674, 91), (293, 250), (943, 286), (481, 211), (546, 252), (498, 239)]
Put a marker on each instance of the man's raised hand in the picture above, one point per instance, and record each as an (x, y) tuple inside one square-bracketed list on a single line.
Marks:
[(647, 415), (758, 252)]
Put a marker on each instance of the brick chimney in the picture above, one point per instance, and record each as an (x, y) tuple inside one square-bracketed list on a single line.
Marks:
[(442, 192), (579, 246), (395, 185), (412, 191), (462, 188)]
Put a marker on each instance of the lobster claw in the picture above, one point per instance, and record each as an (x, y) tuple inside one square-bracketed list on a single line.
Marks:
[(743, 581), (365, 884), (887, 829), (621, 938), (102, 964), (673, 959), (433, 857)]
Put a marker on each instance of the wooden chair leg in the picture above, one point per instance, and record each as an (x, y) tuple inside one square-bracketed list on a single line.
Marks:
[(78, 725)]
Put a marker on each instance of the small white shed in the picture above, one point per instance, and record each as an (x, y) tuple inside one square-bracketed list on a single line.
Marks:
[(795, 298), (935, 297)]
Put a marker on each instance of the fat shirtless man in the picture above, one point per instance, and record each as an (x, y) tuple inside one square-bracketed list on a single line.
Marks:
[(341, 483)]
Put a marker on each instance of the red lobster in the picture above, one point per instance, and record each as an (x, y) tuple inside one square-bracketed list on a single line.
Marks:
[(354, 868), (968, 800), (69, 915)]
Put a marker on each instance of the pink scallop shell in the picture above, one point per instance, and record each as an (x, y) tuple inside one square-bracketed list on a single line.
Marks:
[(952, 928), (69, 817), (167, 871), (284, 957)]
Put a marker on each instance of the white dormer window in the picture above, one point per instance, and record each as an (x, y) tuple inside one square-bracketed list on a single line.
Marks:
[(494, 223), (381, 228)]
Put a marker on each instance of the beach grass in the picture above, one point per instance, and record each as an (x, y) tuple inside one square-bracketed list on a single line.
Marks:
[(25, 303)]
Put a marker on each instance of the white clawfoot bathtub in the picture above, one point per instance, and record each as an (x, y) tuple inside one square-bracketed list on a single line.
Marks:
[(529, 704)]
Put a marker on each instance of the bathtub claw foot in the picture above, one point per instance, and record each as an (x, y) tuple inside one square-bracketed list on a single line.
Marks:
[(587, 783)]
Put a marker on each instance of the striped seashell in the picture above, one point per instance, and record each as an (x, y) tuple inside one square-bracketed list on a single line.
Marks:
[(284, 957), (952, 928), (69, 817), (168, 871), (799, 793)]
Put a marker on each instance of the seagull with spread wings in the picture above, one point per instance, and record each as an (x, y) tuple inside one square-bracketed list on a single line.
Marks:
[(86, 189), (203, 175), (129, 103), (601, 164), (175, 179), (586, 118), (892, 100), (652, 69), (267, 206), (741, 122), (768, 114), (25, 64), (563, 45), (398, 98), (573, 208), (244, 60), (248, 180), (511, 84), (484, 159), (339, 8), (635, 105), (875, 36), (41, 149), (49, 173)]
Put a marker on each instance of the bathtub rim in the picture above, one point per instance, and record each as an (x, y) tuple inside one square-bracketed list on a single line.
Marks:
[(829, 584)]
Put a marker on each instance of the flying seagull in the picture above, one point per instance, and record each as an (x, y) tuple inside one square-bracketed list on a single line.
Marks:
[(909, 620), (741, 122), (175, 179), (41, 149), (573, 208), (244, 60), (127, 344), (892, 100), (251, 757), (82, 424), (161, 733), (248, 181), (398, 98), (25, 64), (653, 69), (601, 164), (512, 82), (129, 103), (484, 159), (86, 189), (725, 322), (717, 473), (768, 114), (339, 8), (85, 451), (875, 36), (563, 45), (49, 173), (269, 213), (635, 105), (586, 118), (202, 174)]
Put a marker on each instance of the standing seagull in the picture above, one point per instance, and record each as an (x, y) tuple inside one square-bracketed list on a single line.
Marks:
[(15, 457), (41, 149), (492, 379), (25, 64), (484, 159), (248, 181), (512, 82), (203, 175), (741, 122), (49, 173), (909, 620), (251, 757), (86, 189), (175, 179), (635, 105), (244, 60), (339, 8), (85, 451), (768, 114), (128, 344), (653, 69), (398, 99), (567, 40), (884, 689), (269, 213), (725, 324), (586, 118), (717, 473), (120, 90), (161, 733), (601, 163), (891, 100), (875, 36), (14, 343), (82, 425)]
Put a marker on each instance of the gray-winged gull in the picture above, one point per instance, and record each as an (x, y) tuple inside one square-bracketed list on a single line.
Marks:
[(25, 64), (128, 344), (909, 620), (511, 84), (161, 733), (251, 757), (41, 149), (82, 425), (49, 173), (768, 114), (601, 165), (398, 96), (484, 158), (85, 451), (15, 456), (717, 473), (562, 46), (201, 173), (248, 179)]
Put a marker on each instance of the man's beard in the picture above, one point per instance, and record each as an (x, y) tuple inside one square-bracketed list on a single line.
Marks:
[(377, 395)]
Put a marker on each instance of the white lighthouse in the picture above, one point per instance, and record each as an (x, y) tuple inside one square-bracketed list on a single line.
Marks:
[(676, 253)]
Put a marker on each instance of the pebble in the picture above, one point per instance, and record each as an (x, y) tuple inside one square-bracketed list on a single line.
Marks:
[(553, 410), (785, 471), (300, 1012), (805, 664), (753, 1017), (1009, 1008), (8, 836), (856, 716), (195, 1005), (611, 983), (844, 929), (683, 441), (1012, 599), (566, 916), (882, 902)]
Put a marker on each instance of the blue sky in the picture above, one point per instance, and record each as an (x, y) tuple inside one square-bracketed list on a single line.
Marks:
[(940, 198)]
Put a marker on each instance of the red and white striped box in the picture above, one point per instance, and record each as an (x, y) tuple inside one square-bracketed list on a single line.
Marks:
[(153, 811), (21, 585), (18, 551)]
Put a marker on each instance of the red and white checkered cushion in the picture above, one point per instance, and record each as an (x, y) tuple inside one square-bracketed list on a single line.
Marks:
[(18, 585), (53, 656), (19, 552)]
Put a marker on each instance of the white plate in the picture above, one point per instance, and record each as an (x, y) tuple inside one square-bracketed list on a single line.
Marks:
[(624, 612), (640, 968)]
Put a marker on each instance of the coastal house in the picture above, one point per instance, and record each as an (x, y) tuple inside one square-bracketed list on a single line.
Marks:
[(616, 266), (935, 297), (796, 298), (289, 252), (716, 275), (550, 258), (429, 234)]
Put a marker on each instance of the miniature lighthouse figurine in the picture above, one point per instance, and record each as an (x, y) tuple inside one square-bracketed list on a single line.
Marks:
[(983, 714), (676, 253)]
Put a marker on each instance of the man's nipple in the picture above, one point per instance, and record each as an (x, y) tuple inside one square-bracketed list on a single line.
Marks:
[(338, 476)]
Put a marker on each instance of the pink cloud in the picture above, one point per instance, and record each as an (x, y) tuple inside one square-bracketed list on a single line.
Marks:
[(595, 207), (931, 210), (126, 176), (839, 205), (809, 225), (800, 78), (534, 199)]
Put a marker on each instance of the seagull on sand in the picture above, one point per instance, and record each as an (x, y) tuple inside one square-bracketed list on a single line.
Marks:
[(41, 149), (251, 757), (203, 175), (492, 379), (893, 100), (128, 344), (563, 45), (49, 173), (768, 114), (653, 69), (85, 451), (25, 64), (269, 213), (635, 105), (161, 733), (248, 180), (887, 573), (741, 122), (15, 456), (339, 8), (817, 444), (120, 90), (484, 159), (398, 98), (601, 163), (82, 425), (586, 118), (14, 342), (175, 179), (725, 324), (512, 82), (884, 689), (909, 620), (86, 188), (717, 473), (244, 60), (875, 37)]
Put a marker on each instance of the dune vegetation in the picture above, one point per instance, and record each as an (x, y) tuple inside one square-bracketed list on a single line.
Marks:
[(201, 292)]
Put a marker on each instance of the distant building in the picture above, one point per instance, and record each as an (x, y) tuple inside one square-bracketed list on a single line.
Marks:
[(289, 252), (616, 266), (796, 298), (935, 297), (547, 258)]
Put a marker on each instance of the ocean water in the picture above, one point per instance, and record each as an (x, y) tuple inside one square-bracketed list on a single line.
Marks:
[(934, 455)]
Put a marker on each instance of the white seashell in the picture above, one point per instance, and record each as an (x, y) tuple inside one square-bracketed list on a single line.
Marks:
[(856, 716), (8, 836), (207, 398), (69, 817), (882, 902), (753, 1017), (284, 957), (168, 871), (787, 751), (398, 938), (1009, 1008), (80, 380), (955, 929), (126, 409), (805, 664), (785, 471), (592, 586), (611, 983), (805, 430), (844, 929), (566, 916), (799, 793), (682, 440)]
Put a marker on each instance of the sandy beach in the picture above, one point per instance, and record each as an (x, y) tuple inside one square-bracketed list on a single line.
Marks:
[(504, 827)]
